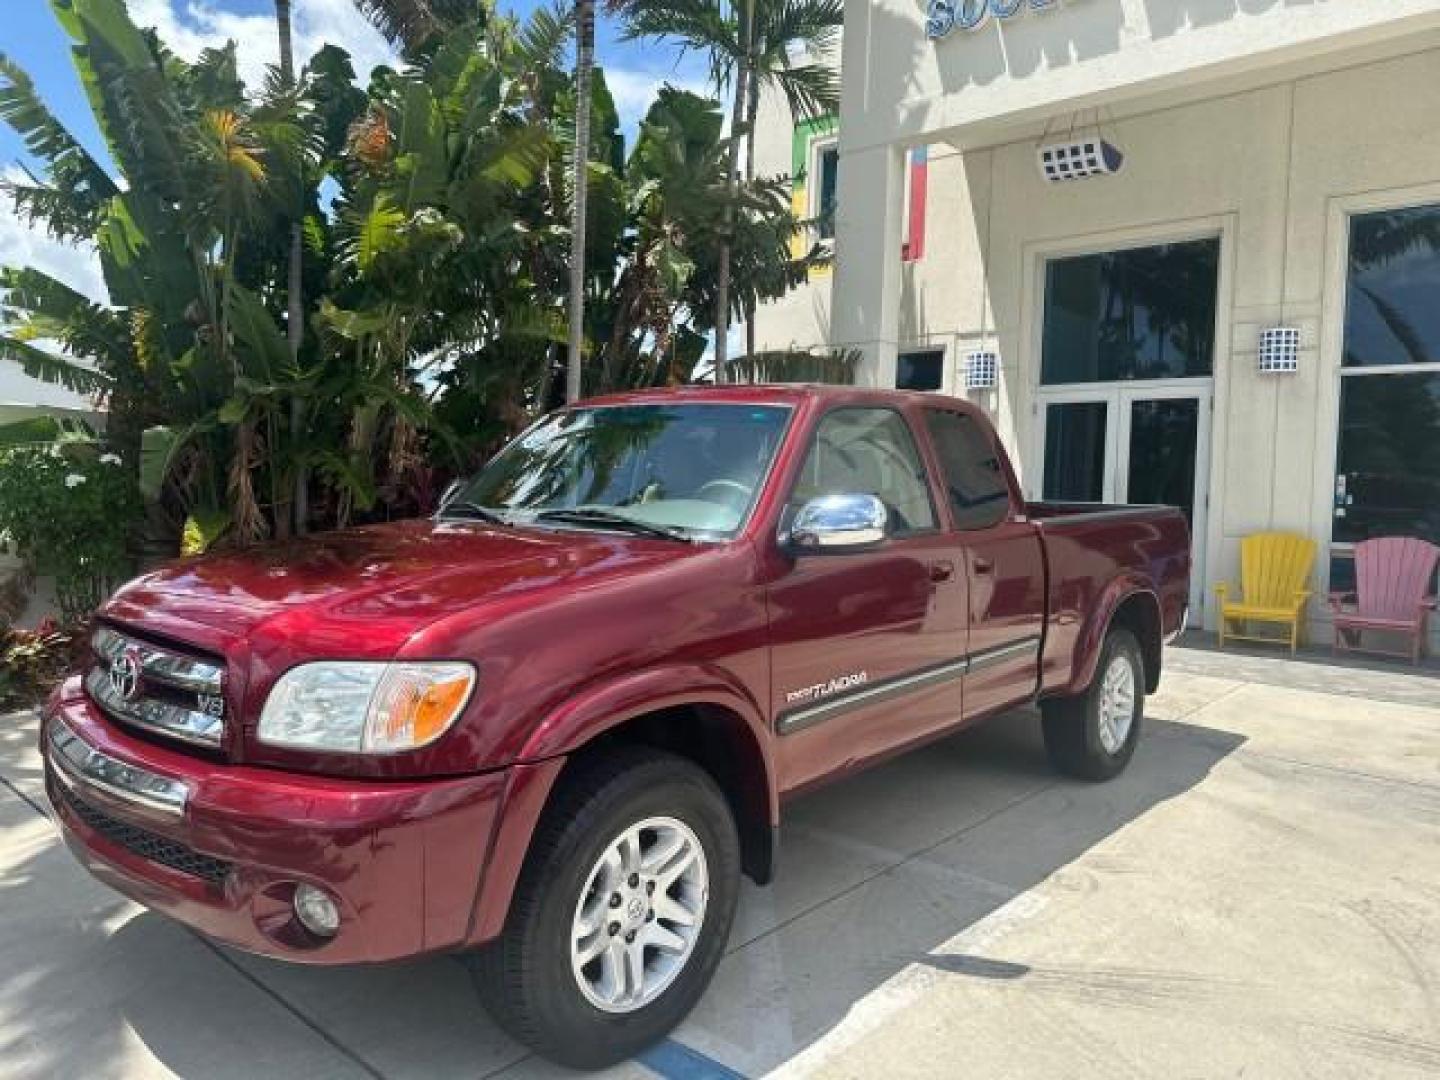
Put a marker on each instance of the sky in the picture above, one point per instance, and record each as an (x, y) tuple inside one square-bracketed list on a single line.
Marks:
[(30, 36)]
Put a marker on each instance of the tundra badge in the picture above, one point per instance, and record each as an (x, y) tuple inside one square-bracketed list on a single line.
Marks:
[(825, 689)]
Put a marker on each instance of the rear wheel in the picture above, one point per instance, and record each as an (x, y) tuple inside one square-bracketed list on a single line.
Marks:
[(1093, 735), (621, 913)]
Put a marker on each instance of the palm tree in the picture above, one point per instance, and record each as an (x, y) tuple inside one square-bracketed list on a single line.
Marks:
[(413, 25), (295, 315), (584, 65), (747, 44)]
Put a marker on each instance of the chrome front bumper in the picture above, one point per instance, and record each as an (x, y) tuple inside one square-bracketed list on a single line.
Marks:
[(79, 765)]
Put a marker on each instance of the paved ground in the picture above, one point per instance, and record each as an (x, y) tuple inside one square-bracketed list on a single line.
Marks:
[(1259, 894)]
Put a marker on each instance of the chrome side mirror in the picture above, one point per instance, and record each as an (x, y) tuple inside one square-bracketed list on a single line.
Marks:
[(838, 523)]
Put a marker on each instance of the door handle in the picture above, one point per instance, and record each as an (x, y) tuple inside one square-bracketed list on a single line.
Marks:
[(982, 565), (941, 571)]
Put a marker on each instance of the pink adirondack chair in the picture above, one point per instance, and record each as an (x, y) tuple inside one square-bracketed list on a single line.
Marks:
[(1392, 577)]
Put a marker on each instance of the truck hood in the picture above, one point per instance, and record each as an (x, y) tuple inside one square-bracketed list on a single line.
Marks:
[(373, 587)]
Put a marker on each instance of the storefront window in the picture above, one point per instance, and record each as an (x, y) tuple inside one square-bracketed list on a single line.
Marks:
[(923, 369), (1391, 314), (1389, 442), (1142, 313)]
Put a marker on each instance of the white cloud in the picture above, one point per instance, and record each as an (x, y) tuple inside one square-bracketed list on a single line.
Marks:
[(190, 26), (77, 265), (634, 91)]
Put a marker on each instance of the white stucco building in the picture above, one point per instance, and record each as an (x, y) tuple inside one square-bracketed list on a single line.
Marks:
[(1281, 171)]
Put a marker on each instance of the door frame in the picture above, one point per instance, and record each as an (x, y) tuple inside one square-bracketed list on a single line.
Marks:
[(1118, 398), (1120, 235)]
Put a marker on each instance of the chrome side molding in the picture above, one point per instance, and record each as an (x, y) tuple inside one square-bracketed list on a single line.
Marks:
[(79, 765)]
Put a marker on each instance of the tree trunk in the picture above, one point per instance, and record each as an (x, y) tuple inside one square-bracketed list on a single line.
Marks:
[(737, 121), (295, 317), (752, 114), (584, 61)]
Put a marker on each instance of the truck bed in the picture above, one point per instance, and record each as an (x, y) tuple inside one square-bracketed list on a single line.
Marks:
[(1092, 549)]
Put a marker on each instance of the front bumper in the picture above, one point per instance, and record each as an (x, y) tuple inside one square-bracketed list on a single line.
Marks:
[(222, 847)]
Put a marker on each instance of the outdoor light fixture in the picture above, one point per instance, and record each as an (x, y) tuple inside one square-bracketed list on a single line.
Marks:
[(982, 370), (1076, 159), (1280, 350)]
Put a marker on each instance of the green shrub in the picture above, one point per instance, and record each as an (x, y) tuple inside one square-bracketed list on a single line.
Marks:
[(66, 510)]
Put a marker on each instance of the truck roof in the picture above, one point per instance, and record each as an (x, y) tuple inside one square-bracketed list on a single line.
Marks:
[(763, 393)]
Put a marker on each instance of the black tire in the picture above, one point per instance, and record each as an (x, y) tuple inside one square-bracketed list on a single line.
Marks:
[(1072, 724), (525, 978)]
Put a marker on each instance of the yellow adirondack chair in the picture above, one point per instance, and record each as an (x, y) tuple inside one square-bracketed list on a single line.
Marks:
[(1275, 580)]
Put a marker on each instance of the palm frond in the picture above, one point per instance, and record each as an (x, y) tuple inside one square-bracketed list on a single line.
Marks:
[(796, 365), (814, 23), (698, 25), (72, 202), (413, 24), (39, 307), (541, 40), (811, 91), (52, 368)]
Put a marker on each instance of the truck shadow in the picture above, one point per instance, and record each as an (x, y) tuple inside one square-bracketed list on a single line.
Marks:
[(901, 866), (893, 868)]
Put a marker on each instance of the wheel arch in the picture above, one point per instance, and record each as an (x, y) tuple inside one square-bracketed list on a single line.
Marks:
[(1126, 603), (699, 712)]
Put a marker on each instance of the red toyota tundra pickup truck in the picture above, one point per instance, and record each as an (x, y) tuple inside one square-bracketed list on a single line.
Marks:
[(551, 726)]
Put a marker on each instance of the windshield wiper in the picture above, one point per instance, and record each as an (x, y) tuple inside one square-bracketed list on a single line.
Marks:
[(592, 516), (462, 508)]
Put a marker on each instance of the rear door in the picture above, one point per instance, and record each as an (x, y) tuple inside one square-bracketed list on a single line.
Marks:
[(866, 645), (1002, 557)]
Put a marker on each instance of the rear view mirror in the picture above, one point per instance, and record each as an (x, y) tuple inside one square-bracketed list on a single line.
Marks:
[(835, 524)]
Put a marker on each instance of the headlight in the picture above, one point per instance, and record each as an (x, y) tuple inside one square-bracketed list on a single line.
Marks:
[(363, 707)]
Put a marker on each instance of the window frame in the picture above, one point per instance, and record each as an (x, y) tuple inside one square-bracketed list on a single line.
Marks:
[(1345, 549), (1323, 343), (1137, 240), (914, 349), (819, 144), (923, 454)]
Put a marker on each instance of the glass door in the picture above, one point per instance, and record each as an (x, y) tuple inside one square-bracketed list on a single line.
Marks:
[(1132, 445), (1079, 447)]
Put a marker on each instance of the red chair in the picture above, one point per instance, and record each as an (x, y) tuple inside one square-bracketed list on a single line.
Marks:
[(1392, 578)]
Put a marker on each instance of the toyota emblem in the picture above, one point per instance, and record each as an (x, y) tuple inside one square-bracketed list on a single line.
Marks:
[(125, 674)]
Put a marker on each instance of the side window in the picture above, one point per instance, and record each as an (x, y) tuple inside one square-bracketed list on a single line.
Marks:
[(974, 479), (869, 451), (827, 165)]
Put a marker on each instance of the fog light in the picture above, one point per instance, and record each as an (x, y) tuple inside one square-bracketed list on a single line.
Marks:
[(316, 911)]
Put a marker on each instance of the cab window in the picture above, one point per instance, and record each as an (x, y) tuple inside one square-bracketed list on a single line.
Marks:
[(868, 451), (974, 478)]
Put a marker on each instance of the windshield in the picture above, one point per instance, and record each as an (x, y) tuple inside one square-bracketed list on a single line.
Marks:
[(690, 468)]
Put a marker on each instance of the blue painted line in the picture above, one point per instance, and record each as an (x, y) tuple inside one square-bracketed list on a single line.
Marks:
[(676, 1061)]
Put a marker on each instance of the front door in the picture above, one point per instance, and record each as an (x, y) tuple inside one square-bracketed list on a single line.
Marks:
[(867, 647), (1131, 444)]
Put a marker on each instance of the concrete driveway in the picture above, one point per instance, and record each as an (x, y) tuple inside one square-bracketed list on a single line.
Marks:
[(1258, 894)]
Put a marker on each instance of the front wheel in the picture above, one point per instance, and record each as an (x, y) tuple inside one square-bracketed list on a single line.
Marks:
[(621, 913), (1092, 735)]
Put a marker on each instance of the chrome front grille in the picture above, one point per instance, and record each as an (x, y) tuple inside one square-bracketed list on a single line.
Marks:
[(156, 689)]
